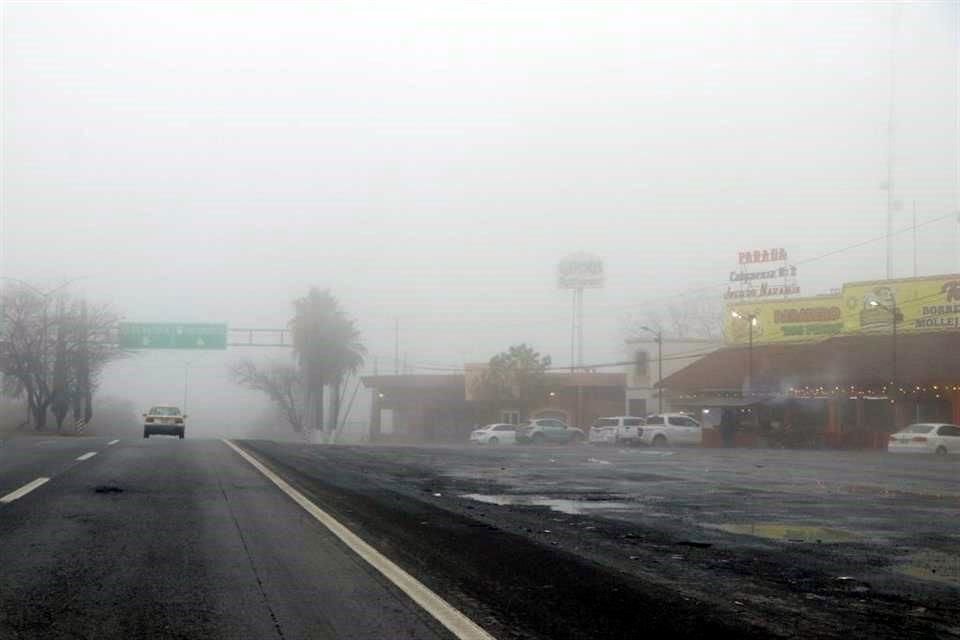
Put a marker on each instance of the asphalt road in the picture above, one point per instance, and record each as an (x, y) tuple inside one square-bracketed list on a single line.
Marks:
[(163, 538), (184, 539)]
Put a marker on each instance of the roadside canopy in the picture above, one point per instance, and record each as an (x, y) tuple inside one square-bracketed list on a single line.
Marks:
[(861, 361)]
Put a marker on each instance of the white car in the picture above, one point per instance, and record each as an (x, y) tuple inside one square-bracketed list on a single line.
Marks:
[(663, 429), (164, 420), (616, 430), (926, 437), (499, 433)]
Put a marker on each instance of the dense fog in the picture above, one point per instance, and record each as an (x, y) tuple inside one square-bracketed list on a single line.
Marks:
[(430, 163)]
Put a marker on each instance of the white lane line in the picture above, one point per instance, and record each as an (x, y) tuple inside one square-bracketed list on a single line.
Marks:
[(24, 490), (112, 442), (87, 455), (457, 623)]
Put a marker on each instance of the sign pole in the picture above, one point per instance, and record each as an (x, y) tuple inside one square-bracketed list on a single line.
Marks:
[(186, 378)]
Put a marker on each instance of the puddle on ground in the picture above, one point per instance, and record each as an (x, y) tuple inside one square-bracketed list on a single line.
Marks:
[(563, 505), (787, 532), (932, 565)]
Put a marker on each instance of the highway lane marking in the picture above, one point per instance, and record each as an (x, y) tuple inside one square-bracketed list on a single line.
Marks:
[(112, 442), (87, 455), (24, 490), (456, 622)]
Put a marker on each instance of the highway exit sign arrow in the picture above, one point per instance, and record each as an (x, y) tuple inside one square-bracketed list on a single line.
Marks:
[(172, 335)]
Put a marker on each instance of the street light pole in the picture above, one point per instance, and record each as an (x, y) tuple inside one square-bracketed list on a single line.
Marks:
[(894, 318), (659, 338), (751, 319)]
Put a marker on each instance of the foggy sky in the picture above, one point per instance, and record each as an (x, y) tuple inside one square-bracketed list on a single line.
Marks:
[(433, 161)]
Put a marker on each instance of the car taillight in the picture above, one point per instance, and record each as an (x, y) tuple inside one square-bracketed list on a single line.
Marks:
[(149, 419), (919, 438)]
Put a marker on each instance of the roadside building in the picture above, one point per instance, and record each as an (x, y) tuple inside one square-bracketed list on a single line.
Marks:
[(843, 370), (442, 408), (643, 394)]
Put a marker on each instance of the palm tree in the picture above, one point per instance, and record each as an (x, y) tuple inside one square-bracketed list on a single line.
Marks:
[(327, 344)]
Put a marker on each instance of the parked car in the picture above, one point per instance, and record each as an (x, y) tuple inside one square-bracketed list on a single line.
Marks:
[(616, 430), (549, 431), (664, 429), (494, 434), (926, 437), (164, 420)]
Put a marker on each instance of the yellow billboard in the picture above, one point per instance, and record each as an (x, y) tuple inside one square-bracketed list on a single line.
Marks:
[(790, 320), (929, 304), (922, 304)]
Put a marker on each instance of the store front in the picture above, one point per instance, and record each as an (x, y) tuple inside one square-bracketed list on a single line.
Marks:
[(838, 393)]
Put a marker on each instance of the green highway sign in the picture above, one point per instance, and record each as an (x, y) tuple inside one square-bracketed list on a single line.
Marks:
[(172, 335)]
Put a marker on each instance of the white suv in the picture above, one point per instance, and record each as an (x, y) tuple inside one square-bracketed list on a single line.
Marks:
[(662, 429), (616, 430)]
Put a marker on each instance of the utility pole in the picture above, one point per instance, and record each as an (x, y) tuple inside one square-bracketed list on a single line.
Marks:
[(396, 346), (891, 129), (658, 336), (914, 238)]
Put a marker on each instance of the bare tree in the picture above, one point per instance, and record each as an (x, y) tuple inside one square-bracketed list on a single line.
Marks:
[(695, 315), (279, 381), (53, 358)]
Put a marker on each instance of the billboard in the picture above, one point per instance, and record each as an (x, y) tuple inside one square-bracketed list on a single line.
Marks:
[(924, 305), (580, 271), (794, 320)]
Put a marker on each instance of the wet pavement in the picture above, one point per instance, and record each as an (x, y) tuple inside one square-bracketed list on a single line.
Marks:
[(804, 543)]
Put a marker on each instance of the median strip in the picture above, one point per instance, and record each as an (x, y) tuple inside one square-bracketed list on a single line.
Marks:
[(87, 455), (24, 490), (456, 622)]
